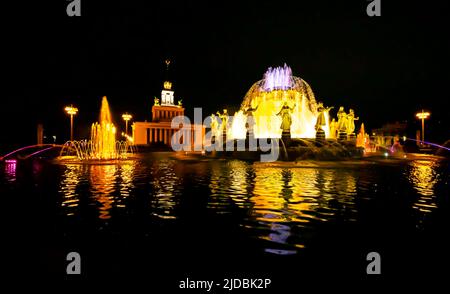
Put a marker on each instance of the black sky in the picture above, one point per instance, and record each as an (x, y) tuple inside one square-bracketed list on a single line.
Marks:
[(384, 67)]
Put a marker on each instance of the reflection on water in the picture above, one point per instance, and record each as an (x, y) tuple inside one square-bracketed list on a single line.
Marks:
[(281, 208), (423, 176), (231, 184), (126, 172), (103, 180), (281, 199), (10, 171), (68, 188), (293, 198), (164, 182)]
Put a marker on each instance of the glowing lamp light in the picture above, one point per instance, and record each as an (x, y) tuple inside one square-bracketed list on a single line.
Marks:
[(71, 110), (423, 115), (126, 117)]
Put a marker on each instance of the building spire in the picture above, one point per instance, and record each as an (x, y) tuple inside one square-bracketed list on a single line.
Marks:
[(167, 83), (167, 64)]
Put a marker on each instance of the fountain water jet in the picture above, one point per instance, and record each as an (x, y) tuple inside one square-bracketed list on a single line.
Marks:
[(102, 145), (103, 134)]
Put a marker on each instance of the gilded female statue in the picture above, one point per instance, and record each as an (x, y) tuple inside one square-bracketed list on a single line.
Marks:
[(286, 117), (342, 120), (224, 118), (250, 121), (321, 120), (351, 122), (214, 125), (333, 128)]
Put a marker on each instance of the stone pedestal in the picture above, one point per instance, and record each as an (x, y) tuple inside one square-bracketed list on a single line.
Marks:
[(351, 137), (286, 137), (342, 136), (320, 135)]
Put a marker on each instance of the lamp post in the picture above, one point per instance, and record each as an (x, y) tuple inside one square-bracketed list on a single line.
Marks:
[(126, 117), (423, 115), (71, 111)]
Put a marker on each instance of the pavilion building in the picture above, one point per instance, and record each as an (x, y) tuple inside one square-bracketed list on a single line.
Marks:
[(159, 130)]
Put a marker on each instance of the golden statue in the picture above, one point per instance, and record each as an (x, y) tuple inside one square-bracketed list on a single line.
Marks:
[(250, 121), (333, 128), (180, 102), (286, 117), (342, 120), (351, 122), (156, 102), (321, 120), (214, 126), (224, 118)]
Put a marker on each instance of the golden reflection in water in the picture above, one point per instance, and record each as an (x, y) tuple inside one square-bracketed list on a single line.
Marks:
[(232, 180), (286, 195), (423, 176), (238, 177), (279, 199), (126, 172), (215, 184), (68, 187), (284, 198), (103, 178), (164, 181)]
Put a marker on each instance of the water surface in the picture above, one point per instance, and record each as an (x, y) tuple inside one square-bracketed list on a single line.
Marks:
[(234, 211)]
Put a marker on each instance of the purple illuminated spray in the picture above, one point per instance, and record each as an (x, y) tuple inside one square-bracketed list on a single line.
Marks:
[(278, 78), (429, 143), (40, 151)]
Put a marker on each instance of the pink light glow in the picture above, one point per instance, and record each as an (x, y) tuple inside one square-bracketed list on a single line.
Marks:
[(24, 148), (40, 151)]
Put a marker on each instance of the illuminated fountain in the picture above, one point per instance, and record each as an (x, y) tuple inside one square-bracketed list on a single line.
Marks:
[(283, 106), (103, 134), (279, 89), (102, 145)]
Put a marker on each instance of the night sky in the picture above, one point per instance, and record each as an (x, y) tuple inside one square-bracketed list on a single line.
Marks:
[(386, 68)]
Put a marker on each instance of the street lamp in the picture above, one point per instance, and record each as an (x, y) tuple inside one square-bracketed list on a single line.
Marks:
[(71, 111), (126, 117), (423, 115)]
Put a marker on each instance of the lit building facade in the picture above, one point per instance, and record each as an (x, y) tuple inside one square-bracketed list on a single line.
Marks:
[(159, 130)]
